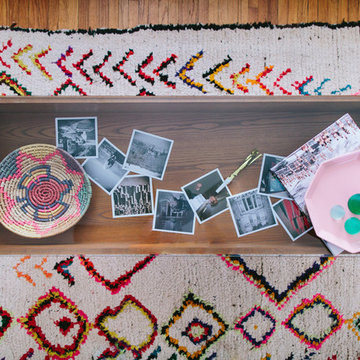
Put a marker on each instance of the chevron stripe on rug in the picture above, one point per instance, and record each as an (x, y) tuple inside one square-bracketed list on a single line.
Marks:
[(260, 59)]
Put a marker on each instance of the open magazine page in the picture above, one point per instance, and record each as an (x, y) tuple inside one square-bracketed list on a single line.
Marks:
[(297, 170)]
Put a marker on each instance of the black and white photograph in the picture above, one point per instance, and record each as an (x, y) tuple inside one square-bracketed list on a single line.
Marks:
[(203, 198), (133, 197), (295, 222), (173, 213), (106, 170), (148, 154), (78, 136), (268, 183), (251, 212)]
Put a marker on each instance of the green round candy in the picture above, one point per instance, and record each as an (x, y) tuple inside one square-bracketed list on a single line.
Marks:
[(352, 225), (354, 204)]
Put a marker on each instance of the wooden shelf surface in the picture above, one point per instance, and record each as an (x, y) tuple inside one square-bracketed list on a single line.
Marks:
[(208, 133)]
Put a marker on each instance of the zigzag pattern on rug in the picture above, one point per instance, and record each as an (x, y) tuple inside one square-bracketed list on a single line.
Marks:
[(260, 59)]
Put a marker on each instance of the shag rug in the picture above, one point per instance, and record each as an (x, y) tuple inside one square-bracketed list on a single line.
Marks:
[(161, 307), (311, 59), (170, 307)]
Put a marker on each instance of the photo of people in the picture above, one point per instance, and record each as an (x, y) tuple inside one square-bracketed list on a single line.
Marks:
[(77, 136), (268, 183), (107, 169), (133, 197), (148, 154), (202, 196), (173, 213), (295, 223), (251, 212)]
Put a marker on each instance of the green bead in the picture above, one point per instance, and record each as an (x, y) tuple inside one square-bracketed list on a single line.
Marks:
[(352, 225), (354, 204)]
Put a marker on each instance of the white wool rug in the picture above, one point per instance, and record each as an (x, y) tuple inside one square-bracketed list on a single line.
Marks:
[(313, 59), (180, 307), (191, 307)]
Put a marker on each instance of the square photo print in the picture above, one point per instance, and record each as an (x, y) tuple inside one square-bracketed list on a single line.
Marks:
[(78, 136), (106, 170), (132, 197), (251, 212), (148, 154), (268, 183), (295, 222), (173, 213), (203, 198)]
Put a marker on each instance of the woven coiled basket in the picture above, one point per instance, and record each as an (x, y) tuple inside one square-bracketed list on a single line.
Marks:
[(43, 191)]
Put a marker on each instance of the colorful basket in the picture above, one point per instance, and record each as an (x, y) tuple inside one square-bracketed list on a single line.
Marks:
[(43, 191)]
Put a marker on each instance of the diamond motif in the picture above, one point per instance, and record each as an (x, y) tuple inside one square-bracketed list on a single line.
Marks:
[(114, 324), (65, 325), (257, 326), (193, 328), (301, 321), (56, 324), (257, 278), (197, 331)]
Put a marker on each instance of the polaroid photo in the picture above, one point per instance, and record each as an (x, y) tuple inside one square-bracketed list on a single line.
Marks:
[(173, 213), (133, 197), (295, 222), (106, 170), (202, 196), (148, 154), (268, 183), (78, 136), (251, 212)]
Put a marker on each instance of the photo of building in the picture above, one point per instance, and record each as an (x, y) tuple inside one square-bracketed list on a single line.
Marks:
[(251, 212)]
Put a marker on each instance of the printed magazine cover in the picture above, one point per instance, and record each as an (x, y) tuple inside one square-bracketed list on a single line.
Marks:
[(297, 170)]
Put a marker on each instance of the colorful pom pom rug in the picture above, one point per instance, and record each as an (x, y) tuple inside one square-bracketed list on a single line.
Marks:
[(227, 307)]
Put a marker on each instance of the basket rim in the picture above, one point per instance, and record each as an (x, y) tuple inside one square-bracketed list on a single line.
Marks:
[(61, 226)]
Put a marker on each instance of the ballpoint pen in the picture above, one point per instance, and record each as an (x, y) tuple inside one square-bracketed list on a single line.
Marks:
[(254, 155)]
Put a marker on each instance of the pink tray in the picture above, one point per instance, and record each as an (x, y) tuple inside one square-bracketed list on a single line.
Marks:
[(334, 183)]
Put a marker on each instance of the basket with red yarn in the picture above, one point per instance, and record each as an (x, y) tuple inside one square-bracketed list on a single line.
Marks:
[(44, 191)]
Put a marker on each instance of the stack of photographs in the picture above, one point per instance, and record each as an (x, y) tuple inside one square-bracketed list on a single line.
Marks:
[(292, 219), (108, 167), (202, 199)]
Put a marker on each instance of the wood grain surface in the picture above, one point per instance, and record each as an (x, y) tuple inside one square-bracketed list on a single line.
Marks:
[(208, 133), (85, 14)]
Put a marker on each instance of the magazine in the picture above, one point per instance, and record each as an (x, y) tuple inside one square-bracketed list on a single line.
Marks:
[(297, 170)]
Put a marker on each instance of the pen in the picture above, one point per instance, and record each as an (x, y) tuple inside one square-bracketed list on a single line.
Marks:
[(254, 155)]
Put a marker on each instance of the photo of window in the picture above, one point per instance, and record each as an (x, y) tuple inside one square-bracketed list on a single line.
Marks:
[(251, 212)]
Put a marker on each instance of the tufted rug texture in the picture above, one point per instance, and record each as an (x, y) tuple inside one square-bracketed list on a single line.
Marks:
[(168, 307), (311, 59), (179, 307)]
